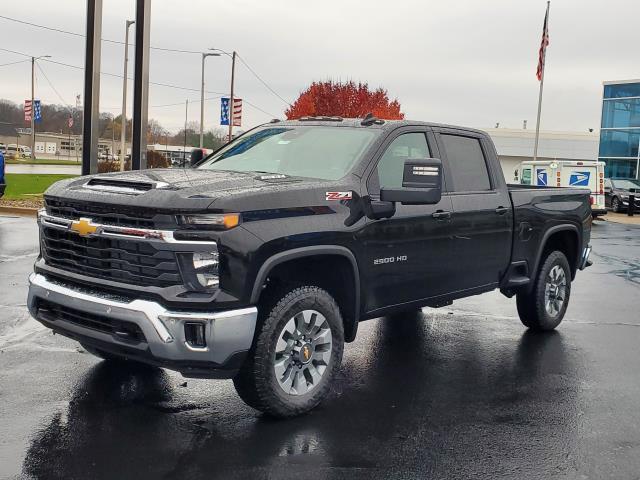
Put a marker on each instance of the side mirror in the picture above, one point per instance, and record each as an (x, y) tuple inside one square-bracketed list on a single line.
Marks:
[(197, 154), (421, 184)]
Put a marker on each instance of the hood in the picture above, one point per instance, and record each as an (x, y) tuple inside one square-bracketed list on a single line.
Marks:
[(173, 189)]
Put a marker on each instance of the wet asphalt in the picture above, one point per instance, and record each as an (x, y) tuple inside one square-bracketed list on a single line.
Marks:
[(459, 392)]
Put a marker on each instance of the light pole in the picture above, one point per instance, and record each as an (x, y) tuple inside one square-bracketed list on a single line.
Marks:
[(204, 55), (233, 72), (123, 118), (33, 105)]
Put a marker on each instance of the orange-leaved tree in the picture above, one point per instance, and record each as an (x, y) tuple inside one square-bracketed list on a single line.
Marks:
[(349, 100)]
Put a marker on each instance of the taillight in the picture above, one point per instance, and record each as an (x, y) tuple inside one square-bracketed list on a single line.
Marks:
[(591, 200)]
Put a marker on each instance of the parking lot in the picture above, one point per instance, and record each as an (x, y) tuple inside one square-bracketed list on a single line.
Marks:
[(458, 392)]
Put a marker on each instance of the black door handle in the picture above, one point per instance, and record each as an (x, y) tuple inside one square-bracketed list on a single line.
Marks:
[(501, 210), (441, 215)]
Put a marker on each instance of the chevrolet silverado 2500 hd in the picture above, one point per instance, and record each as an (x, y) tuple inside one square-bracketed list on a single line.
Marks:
[(258, 263)]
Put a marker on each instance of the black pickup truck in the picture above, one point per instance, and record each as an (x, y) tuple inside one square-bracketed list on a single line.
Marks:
[(259, 261)]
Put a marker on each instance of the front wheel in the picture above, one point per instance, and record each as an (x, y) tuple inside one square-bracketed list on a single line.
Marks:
[(295, 355), (543, 308)]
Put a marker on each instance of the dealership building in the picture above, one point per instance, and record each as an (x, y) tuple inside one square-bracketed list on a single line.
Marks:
[(620, 129)]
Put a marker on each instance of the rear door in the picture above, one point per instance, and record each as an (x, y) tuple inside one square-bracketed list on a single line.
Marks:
[(482, 212)]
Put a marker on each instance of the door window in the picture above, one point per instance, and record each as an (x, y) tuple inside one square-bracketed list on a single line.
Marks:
[(391, 166), (467, 163)]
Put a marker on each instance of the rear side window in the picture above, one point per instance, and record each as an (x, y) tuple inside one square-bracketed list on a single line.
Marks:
[(466, 162), (526, 176)]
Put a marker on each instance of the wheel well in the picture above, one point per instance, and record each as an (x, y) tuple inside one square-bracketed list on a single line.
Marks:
[(565, 241), (333, 273)]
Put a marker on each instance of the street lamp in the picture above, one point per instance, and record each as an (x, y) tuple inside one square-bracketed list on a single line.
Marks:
[(123, 118), (204, 55), (33, 105)]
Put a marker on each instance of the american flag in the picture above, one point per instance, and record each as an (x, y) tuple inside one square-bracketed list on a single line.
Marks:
[(543, 46), (27, 110)]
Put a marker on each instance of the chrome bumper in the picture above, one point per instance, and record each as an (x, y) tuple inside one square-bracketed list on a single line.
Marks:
[(584, 261), (227, 332)]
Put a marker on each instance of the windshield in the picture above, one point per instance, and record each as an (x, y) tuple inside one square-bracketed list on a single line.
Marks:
[(325, 153), (626, 184)]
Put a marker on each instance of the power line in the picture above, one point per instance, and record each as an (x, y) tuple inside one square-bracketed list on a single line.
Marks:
[(261, 80), (52, 87), (168, 85), (174, 50), (76, 34), (13, 63)]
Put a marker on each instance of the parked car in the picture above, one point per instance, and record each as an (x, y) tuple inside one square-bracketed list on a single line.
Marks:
[(617, 191), (259, 263), (18, 151), (3, 148)]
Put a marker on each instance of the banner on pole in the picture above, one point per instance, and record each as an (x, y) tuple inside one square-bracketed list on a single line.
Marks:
[(237, 111), (37, 112), (27, 110)]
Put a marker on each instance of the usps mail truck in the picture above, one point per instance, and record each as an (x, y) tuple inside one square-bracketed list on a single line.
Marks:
[(559, 173)]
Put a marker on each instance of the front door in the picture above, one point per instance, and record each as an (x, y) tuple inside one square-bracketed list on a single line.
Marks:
[(407, 256)]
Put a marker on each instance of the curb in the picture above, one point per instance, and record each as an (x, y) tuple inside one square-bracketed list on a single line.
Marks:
[(23, 211)]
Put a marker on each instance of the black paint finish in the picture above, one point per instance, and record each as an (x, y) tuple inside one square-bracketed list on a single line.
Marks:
[(422, 255)]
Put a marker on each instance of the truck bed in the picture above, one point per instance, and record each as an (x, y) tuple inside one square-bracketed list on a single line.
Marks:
[(537, 210)]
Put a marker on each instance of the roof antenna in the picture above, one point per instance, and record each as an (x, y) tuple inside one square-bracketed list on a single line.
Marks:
[(368, 120)]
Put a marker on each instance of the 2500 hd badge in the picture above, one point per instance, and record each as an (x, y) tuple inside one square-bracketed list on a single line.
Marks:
[(380, 261), (255, 264)]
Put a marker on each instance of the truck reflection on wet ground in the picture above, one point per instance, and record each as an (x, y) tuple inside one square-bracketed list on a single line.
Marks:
[(426, 399)]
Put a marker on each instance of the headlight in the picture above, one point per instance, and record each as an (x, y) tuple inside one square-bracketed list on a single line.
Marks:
[(205, 266), (216, 221)]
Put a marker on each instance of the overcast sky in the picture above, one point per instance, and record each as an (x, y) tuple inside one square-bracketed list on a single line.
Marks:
[(464, 62)]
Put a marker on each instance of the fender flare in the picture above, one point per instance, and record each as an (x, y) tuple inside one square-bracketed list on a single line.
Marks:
[(311, 251), (543, 242)]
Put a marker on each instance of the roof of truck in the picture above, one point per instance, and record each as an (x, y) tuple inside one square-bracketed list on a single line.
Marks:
[(357, 122)]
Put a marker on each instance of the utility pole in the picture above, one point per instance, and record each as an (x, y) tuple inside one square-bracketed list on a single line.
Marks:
[(204, 55), (123, 118), (184, 147), (233, 71), (33, 108)]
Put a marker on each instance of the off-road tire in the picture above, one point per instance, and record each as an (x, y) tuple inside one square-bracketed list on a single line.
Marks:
[(531, 305), (256, 381)]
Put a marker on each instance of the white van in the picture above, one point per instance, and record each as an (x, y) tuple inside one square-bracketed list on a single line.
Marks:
[(564, 173), (18, 151)]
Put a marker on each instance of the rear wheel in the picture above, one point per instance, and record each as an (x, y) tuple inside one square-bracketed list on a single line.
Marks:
[(296, 354), (615, 205), (543, 308)]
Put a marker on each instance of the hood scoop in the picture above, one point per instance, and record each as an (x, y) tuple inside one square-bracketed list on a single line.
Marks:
[(122, 186)]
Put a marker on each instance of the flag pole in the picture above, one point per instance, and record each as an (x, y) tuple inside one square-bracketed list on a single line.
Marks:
[(544, 55)]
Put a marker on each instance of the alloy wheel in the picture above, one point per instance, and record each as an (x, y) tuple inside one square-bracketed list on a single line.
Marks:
[(303, 352)]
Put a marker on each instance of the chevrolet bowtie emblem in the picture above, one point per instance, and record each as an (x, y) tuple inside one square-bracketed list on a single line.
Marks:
[(83, 227)]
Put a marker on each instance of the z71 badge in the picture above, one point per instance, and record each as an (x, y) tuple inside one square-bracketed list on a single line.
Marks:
[(339, 196)]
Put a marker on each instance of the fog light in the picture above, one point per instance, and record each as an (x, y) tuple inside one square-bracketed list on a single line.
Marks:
[(206, 268), (194, 335)]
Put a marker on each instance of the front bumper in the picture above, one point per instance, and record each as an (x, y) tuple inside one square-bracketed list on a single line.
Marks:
[(228, 334)]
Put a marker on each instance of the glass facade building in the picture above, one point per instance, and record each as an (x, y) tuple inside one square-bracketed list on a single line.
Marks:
[(620, 129)]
